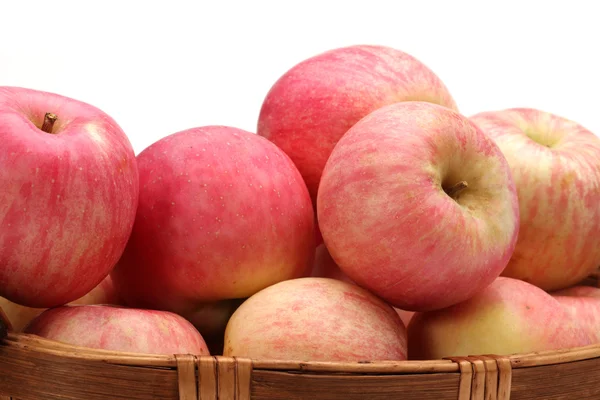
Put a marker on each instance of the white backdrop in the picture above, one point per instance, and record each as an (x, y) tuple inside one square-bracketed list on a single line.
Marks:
[(161, 67)]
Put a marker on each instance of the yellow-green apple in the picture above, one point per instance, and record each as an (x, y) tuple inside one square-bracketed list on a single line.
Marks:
[(19, 315), (555, 164), (68, 200), (509, 316), (417, 205), (583, 303), (310, 107), (315, 319), (118, 328), (222, 214)]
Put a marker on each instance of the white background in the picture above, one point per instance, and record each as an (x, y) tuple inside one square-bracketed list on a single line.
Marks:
[(161, 67)]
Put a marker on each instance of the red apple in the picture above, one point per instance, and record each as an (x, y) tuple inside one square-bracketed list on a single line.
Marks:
[(19, 316), (509, 316), (119, 329), (313, 104), (68, 199), (583, 303), (325, 266), (223, 213), (578, 291), (555, 164), (418, 205), (315, 319)]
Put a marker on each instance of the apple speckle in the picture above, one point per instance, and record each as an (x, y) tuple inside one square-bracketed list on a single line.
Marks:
[(172, 203), (52, 181)]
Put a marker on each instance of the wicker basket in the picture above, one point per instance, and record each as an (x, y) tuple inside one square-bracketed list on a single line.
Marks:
[(33, 368), (40, 369)]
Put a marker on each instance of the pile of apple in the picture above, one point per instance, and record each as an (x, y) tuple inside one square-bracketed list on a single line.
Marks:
[(366, 219)]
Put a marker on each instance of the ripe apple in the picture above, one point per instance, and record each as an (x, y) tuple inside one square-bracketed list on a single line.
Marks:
[(555, 164), (325, 266), (509, 316), (222, 214), (315, 319), (578, 291), (19, 316), (119, 329), (69, 194), (313, 104), (417, 205), (583, 303)]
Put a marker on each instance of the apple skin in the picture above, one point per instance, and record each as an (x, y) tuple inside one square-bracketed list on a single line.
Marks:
[(578, 291), (68, 198), (310, 107), (388, 222), (325, 266), (223, 213), (315, 319), (19, 316), (509, 316), (119, 329), (583, 303), (555, 164)]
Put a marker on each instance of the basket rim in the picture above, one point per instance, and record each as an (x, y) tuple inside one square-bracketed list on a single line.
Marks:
[(34, 343)]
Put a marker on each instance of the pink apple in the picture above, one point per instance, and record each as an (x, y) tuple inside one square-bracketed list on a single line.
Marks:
[(119, 329), (19, 316), (312, 105), (583, 303), (223, 213), (315, 319), (578, 291), (509, 316), (418, 205), (555, 164), (68, 199), (325, 266)]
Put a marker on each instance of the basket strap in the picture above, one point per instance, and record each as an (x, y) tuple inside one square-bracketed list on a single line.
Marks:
[(186, 376), (224, 378), (486, 377)]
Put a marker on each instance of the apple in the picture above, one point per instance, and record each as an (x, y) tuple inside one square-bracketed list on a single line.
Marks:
[(578, 291), (310, 107), (509, 316), (417, 205), (583, 303), (325, 266), (555, 163), (19, 316), (118, 328), (68, 199), (222, 214), (315, 319)]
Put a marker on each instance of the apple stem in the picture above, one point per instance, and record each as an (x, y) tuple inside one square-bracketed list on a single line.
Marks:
[(49, 120), (457, 188)]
